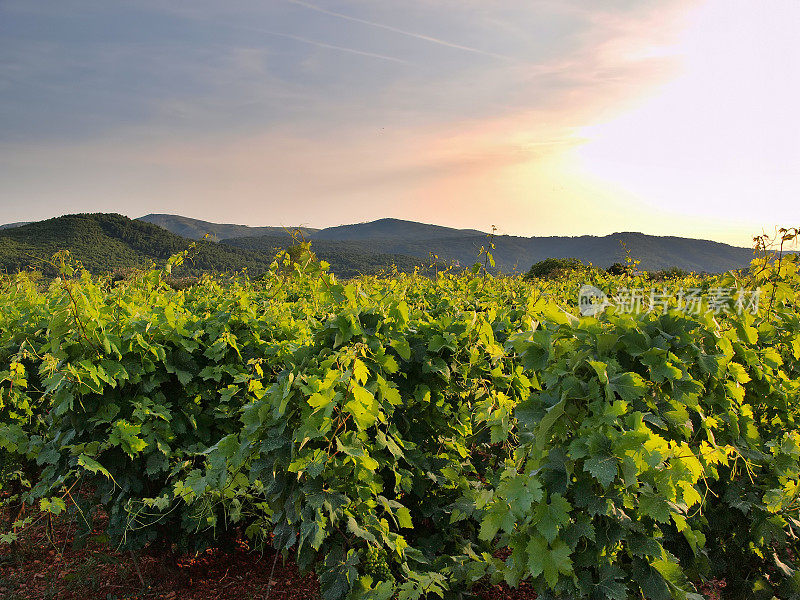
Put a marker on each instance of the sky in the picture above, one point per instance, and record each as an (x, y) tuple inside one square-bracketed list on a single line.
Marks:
[(541, 117)]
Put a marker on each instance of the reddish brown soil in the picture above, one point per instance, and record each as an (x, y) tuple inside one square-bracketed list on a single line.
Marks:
[(503, 592), (48, 567)]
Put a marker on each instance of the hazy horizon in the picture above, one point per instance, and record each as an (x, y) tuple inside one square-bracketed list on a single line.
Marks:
[(543, 118)]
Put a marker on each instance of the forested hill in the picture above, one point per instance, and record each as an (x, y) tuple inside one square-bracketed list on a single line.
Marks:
[(347, 259), (105, 242)]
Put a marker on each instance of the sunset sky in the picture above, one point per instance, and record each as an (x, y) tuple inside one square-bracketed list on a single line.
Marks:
[(541, 117)]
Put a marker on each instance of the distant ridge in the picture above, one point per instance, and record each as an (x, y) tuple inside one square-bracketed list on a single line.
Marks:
[(512, 253), (391, 229), (12, 225), (196, 229), (515, 253)]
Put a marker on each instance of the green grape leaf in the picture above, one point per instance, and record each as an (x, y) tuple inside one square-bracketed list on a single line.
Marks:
[(628, 386), (603, 467), (549, 518), (92, 465), (403, 517), (548, 560)]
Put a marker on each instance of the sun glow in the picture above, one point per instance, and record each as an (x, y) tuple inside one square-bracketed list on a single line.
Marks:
[(720, 143)]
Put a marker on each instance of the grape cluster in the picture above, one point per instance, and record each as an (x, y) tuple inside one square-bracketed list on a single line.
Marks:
[(377, 566)]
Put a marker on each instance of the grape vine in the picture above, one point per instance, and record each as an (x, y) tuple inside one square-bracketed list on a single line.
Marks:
[(410, 436)]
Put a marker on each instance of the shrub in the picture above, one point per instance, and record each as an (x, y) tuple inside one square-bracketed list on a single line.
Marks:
[(671, 274), (551, 268), (620, 269)]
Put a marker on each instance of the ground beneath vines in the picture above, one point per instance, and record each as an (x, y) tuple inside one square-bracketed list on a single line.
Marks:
[(48, 566)]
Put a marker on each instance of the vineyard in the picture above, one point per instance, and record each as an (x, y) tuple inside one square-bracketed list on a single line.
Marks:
[(412, 436)]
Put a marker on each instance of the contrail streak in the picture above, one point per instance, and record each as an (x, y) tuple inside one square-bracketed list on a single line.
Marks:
[(334, 47), (319, 44), (419, 36)]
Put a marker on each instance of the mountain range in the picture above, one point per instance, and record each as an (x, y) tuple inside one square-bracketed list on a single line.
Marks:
[(410, 238), (104, 242)]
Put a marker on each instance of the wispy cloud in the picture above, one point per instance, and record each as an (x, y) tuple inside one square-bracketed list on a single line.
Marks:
[(412, 34)]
